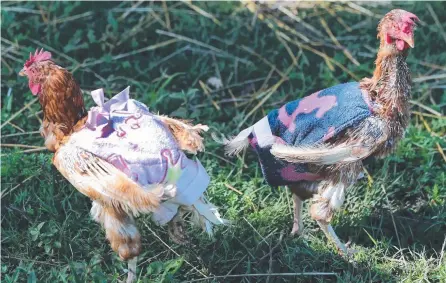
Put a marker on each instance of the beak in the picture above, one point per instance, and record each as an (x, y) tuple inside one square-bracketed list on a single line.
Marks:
[(409, 40), (22, 73)]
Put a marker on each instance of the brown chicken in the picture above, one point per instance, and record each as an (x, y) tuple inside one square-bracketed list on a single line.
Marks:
[(127, 160), (316, 145)]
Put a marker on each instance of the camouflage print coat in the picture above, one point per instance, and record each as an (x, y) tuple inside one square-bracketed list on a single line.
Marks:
[(308, 121)]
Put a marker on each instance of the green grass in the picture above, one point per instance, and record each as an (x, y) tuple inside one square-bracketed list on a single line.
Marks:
[(397, 223)]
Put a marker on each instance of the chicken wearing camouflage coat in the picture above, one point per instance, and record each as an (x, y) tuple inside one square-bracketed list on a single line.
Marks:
[(316, 145), (126, 159)]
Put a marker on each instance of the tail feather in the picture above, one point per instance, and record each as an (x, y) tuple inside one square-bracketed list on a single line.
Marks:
[(235, 145), (186, 134), (320, 155), (205, 215)]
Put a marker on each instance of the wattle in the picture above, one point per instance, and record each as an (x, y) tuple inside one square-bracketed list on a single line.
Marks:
[(35, 88), (400, 44)]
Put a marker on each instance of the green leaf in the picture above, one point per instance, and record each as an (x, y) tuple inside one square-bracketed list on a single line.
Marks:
[(171, 267), (8, 103), (155, 268), (91, 37), (32, 277), (107, 58), (112, 21)]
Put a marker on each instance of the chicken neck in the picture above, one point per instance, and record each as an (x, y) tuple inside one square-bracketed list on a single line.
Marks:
[(61, 100), (390, 89), (63, 107)]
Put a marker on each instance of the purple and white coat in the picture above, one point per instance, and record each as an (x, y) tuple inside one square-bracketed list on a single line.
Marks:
[(124, 133)]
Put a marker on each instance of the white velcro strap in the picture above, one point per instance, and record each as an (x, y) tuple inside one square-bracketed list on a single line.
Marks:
[(263, 132)]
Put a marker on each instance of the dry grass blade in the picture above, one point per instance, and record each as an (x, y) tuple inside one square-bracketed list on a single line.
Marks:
[(438, 114), (233, 189), (134, 52), (339, 19), (36, 261), (13, 116), (7, 65), (134, 6), (73, 18), (289, 51), (264, 275), (284, 26), (437, 22), (363, 10), (327, 58), (20, 134), (336, 42), (267, 96), (299, 20), (16, 127), (18, 145), (428, 78), (252, 52), (201, 11), (428, 128), (442, 252), (20, 10), (37, 149), (440, 150), (5, 193), (166, 15), (199, 43), (428, 115), (172, 250), (224, 159), (255, 230), (207, 92), (391, 215)]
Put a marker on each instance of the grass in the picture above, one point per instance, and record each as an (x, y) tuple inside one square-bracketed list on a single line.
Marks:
[(167, 52)]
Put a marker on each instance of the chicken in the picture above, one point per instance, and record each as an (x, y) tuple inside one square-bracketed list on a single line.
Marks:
[(127, 160), (316, 145)]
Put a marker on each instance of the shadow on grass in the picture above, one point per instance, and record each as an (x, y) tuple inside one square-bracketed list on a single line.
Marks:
[(246, 256), (423, 231)]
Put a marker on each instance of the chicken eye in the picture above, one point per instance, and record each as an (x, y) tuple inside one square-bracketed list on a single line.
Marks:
[(407, 28)]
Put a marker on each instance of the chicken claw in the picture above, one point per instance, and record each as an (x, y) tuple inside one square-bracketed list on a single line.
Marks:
[(343, 249), (176, 230)]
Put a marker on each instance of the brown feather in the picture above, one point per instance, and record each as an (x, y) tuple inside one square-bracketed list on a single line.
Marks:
[(186, 134), (61, 99)]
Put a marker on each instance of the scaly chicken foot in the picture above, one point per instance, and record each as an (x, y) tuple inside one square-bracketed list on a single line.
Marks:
[(176, 229), (343, 249)]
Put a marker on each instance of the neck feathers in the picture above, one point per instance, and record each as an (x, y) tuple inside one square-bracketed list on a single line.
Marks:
[(390, 85), (61, 100), (390, 89)]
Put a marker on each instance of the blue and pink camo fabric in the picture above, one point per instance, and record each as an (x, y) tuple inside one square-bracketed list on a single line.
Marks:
[(308, 121)]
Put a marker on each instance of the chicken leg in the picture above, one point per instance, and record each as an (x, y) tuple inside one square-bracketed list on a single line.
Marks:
[(330, 233), (298, 225), (176, 229), (120, 230), (301, 191), (131, 275), (330, 198)]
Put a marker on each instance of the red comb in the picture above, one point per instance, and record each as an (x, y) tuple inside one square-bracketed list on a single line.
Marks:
[(409, 17), (37, 57)]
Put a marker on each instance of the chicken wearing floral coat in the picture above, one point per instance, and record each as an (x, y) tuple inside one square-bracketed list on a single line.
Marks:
[(127, 160)]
